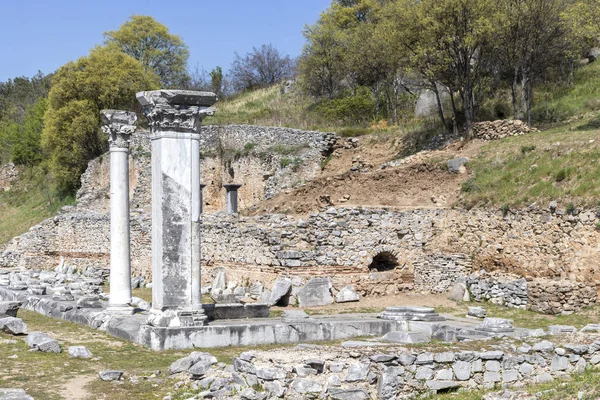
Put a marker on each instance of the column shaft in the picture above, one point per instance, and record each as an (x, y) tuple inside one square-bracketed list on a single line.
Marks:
[(120, 267)]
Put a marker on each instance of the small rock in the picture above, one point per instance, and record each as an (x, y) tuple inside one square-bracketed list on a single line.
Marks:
[(79, 352), (110, 375)]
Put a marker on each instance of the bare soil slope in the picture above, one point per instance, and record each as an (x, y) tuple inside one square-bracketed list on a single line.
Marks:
[(354, 177)]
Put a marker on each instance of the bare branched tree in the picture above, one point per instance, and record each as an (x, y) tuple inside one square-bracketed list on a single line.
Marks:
[(262, 67)]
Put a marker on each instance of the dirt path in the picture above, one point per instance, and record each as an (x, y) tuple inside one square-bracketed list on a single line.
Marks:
[(75, 389)]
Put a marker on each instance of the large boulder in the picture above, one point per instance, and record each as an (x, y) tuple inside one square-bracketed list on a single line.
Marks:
[(14, 394), (317, 292)]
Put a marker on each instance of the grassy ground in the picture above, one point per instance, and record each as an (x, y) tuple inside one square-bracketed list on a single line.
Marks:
[(25, 206), (558, 164)]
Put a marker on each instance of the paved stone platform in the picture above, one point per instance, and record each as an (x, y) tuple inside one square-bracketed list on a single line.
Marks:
[(219, 333)]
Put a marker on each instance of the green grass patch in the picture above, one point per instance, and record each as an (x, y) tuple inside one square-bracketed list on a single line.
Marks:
[(28, 203), (558, 164)]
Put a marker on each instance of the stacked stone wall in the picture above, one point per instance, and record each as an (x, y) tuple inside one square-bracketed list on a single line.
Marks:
[(560, 297), (265, 160), (432, 249)]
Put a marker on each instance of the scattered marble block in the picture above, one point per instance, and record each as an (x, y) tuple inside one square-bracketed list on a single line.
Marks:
[(9, 308), (347, 294), (110, 375), (406, 337), (561, 329), (13, 326), (476, 312), (280, 292), (410, 313), (79, 352), (14, 394), (496, 325), (317, 292), (591, 328)]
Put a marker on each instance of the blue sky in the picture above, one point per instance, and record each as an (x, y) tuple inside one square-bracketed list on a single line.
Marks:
[(45, 34)]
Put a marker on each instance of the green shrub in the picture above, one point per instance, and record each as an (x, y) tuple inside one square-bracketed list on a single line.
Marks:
[(527, 149), (571, 209), (561, 175), (353, 132), (350, 109)]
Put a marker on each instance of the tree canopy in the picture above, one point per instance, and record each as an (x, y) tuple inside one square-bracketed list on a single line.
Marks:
[(150, 42), (105, 79)]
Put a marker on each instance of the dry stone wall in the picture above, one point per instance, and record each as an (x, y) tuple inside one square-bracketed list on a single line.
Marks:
[(429, 249), (265, 160)]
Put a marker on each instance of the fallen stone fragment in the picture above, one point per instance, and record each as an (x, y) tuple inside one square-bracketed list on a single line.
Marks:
[(317, 292), (14, 394), (347, 294), (306, 386), (357, 373), (477, 312), (43, 342), (9, 308), (89, 302), (347, 394), (561, 329), (110, 375), (280, 292), (13, 326), (79, 352)]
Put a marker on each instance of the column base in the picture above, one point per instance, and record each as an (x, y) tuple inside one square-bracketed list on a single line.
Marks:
[(192, 317), (120, 310)]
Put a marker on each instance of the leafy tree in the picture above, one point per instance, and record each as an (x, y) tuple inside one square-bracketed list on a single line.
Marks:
[(216, 80), (107, 78), (150, 42), (26, 148), (322, 65), (262, 67), (19, 93)]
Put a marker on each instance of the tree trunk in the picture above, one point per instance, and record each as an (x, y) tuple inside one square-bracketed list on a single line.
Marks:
[(514, 86), (454, 122), (524, 102), (440, 108), (467, 98)]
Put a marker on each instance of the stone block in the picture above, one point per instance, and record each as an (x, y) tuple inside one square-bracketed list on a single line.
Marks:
[(79, 352), (317, 292), (13, 326), (9, 308), (347, 294), (280, 292)]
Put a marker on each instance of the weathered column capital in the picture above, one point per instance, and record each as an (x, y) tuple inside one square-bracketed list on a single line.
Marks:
[(119, 125), (176, 110)]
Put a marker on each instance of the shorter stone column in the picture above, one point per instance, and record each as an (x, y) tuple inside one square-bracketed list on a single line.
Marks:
[(119, 125), (232, 198), (202, 186)]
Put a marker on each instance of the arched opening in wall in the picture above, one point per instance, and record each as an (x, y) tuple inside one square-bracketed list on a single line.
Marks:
[(384, 261)]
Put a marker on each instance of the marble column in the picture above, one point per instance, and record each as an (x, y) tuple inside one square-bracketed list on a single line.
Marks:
[(232, 198), (119, 126), (175, 118)]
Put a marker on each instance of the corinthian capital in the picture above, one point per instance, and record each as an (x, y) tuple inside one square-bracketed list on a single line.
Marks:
[(119, 126), (176, 110)]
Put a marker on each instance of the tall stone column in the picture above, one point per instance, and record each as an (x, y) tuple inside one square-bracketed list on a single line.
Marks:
[(232, 197), (175, 118), (119, 125)]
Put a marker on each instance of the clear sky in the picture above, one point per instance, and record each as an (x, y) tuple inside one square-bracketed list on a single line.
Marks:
[(45, 34)]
